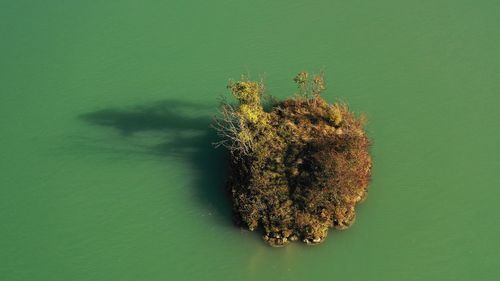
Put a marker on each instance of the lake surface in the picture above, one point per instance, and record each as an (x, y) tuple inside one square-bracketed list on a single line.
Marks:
[(107, 169)]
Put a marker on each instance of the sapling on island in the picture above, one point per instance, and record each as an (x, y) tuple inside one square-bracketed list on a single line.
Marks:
[(298, 167)]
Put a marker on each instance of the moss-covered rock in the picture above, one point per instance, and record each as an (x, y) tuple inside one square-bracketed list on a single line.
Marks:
[(298, 168)]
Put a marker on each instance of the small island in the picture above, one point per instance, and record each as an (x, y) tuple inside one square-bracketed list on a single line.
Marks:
[(298, 166)]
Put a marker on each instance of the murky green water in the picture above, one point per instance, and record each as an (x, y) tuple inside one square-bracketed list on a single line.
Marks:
[(107, 172)]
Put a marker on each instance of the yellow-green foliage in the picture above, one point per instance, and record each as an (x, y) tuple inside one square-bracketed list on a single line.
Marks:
[(247, 92), (250, 113), (297, 169), (335, 114)]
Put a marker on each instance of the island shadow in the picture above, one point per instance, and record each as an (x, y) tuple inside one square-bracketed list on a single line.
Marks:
[(184, 136)]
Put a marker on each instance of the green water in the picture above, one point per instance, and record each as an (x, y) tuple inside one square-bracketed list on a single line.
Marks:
[(107, 172)]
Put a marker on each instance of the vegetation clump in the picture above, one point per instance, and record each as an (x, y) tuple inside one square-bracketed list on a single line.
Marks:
[(299, 167)]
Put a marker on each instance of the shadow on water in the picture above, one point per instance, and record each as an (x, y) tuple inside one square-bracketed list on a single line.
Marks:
[(185, 133)]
